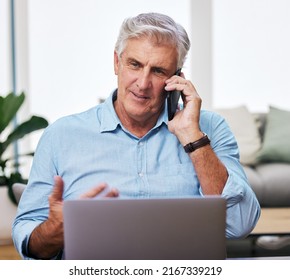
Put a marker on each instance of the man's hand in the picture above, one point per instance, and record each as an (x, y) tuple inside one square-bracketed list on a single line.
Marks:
[(185, 124), (102, 190), (47, 240), (55, 218)]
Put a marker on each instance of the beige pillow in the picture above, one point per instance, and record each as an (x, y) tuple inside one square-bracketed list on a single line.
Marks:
[(244, 127)]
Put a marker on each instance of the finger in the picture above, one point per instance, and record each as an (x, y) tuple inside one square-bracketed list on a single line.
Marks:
[(94, 191), (112, 193), (57, 190), (176, 84), (175, 76)]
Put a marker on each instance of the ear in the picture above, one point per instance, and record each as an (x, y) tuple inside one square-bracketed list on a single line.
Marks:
[(116, 63)]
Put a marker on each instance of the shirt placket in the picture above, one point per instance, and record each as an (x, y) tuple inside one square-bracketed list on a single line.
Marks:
[(141, 168)]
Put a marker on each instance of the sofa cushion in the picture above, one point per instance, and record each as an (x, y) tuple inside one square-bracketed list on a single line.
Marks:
[(275, 178), (276, 143), (244, 127), (255, 181)]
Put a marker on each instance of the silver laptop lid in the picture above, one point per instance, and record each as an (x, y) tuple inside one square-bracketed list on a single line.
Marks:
[(127, 229)]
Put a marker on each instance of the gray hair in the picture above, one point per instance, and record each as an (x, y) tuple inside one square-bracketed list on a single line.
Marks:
[(163, 29)]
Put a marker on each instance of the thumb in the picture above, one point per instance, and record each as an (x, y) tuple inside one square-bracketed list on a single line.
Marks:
[(57, 191)]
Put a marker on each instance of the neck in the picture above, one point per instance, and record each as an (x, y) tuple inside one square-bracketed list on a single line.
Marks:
[(138, 127)]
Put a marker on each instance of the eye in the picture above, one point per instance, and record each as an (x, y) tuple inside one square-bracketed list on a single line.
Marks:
[(159, 71), (134, 64)]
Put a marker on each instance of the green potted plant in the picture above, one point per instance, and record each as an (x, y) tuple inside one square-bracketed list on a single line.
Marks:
[(9, 174), (9, 106)]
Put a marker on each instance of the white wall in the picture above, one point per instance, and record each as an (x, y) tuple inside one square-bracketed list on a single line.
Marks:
[(240, 50), (251, 53), (201, 49), (71, 44), (5, 70)]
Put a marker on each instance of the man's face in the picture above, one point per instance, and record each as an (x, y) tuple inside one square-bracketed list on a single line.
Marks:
[(142, 71)]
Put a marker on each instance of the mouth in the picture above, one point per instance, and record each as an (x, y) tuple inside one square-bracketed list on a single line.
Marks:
[(140, 96)]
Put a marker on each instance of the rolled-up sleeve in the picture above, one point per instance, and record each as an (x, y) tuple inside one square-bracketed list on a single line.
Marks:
[(33, 207), (243, 208)]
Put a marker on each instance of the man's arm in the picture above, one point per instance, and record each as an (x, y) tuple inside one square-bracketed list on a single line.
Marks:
[(214, 177), (185, 125), (47, 240), (209, 169)]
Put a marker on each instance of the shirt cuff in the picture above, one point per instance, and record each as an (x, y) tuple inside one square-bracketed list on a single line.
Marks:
[(233, 191)]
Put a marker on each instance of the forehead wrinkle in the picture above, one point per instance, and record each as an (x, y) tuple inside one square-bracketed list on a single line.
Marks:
[(159, 63), (156, 55)]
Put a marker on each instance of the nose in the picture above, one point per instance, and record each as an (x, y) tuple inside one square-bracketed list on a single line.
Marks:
[(144, 80)]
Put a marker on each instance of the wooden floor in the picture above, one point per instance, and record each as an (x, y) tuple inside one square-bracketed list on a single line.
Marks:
[(8, 252)]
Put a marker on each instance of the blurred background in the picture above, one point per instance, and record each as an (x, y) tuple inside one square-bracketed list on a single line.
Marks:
[(60, 52)]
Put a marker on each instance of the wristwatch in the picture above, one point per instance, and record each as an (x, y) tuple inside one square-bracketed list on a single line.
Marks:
[(192, 146)]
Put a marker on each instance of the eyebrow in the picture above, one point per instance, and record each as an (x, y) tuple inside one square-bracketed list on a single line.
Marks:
[(160, 68), (130, 59)]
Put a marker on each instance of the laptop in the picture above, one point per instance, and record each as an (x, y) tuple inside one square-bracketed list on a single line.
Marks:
[(145, 229)]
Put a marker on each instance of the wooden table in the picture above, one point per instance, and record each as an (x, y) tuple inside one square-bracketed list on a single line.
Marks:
[(8, 252), (273, 221)]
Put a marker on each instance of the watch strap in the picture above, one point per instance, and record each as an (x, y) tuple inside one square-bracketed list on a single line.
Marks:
[(192, 146)]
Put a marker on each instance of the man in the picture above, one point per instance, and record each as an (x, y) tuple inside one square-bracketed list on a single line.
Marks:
[(127, 147)]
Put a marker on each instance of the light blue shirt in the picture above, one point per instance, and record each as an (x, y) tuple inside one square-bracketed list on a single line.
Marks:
[(93, 147)]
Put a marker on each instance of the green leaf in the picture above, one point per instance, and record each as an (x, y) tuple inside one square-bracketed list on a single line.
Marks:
[(9, 106), (3, 165), (33, 124), (3, 181), (14, 178)]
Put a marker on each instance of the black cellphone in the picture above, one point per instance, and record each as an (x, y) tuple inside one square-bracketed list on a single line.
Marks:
[(172, 100)]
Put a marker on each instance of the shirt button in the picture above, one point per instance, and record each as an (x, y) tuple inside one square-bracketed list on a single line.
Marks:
[(140, 174)]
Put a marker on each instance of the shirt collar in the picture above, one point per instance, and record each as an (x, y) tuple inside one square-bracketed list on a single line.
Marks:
[(110, 120)]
